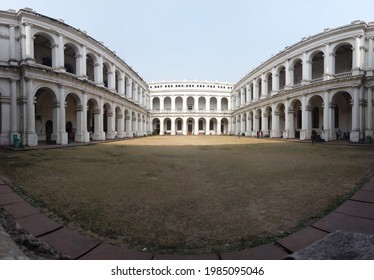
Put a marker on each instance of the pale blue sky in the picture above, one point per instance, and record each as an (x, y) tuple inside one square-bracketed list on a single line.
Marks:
[(199, 39)]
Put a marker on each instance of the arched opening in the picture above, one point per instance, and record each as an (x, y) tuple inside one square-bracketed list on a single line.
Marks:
[(93, 113), (282, 77), (90, 67), (224, 104), (213, 104), (48, 131), (202, 103), (156, 126), (179, 126), (167, 126), (297, 72), (70, 62), (317, 66), (202, 125), (72, 111), (105, 74), (315, 111), (343, 59), (190, 126), (213, 126), (179, 103), (46, 111), (224, 126), (259, 86), (270, 83), (43, 50), (156, 103), (167, 103), (296, 121), (342, 114), (190, 103)]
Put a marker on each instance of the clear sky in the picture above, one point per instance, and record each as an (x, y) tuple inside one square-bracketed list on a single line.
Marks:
[(199, 39)]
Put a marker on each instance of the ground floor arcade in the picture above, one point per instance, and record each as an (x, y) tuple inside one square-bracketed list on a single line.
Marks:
[(339, 114), (190, 125), (57, 114)]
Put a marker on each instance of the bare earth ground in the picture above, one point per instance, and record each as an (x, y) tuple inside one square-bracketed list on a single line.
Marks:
[(193, 194)]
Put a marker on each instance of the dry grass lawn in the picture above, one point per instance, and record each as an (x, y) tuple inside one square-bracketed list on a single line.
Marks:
[(190, 194)]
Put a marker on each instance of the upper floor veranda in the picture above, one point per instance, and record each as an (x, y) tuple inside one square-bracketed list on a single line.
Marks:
[(28, 38), (325, 57)]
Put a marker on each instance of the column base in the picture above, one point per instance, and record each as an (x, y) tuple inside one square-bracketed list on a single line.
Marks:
[(32, 139), (354, 136), (63, 138)]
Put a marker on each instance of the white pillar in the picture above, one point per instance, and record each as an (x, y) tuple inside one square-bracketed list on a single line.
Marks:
[(370, 61), (369, 115), (60, 55), (329, 67), (81, 61), (307, 69), (98, 69), (289, 74), (196, 126), (355, 133), (32, 138), (326, 124), (249, 124), (13, 108), (121, 84), (264, 87), (358, 55), (303, 118), (12, 45), (275, 81), (29, 51), (275, 116), (112, 77), (62, 130)]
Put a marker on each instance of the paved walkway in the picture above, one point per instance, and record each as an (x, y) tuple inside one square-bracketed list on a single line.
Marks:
[(355, 215)]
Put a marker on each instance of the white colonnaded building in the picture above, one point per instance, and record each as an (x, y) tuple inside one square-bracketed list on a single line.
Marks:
[(58, 84)]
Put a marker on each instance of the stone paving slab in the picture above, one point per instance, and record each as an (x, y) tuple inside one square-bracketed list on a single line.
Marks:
[(357, 208), (263, 252), (2, 182), (369, 186), (337, 221), (365, 196), (186, 257), (339, 245), (8, 249), (38, 224), (302, 238), (9, 198), (5, 189), (20, 209), (110, 252), (69, 242)]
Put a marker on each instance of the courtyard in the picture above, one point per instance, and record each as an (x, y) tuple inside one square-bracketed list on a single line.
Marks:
[(188, 195)]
